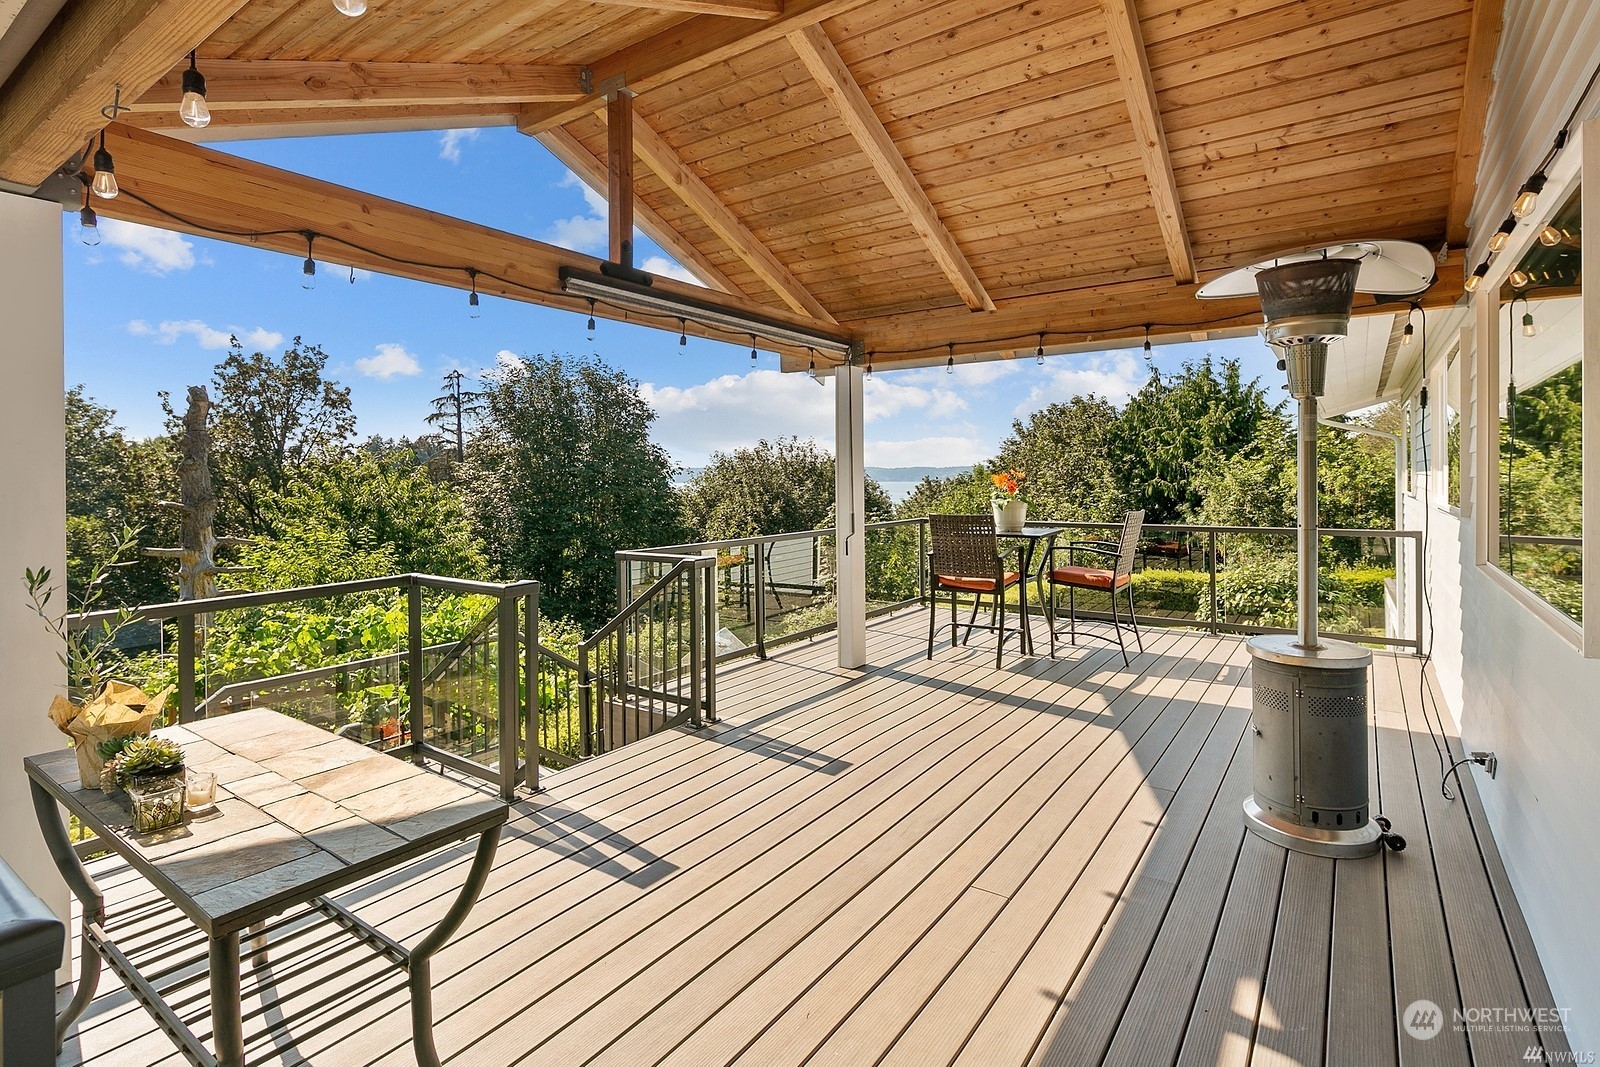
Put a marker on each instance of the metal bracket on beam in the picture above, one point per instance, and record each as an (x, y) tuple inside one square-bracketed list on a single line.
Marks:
[(616, 85), (586, 80)]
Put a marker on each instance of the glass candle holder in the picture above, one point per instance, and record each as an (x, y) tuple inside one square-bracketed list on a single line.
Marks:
[(200, 789), (157, 804)]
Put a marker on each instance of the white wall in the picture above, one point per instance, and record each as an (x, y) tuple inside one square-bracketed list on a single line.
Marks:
[(33, 531)]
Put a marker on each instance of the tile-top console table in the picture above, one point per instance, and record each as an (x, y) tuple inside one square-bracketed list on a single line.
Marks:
[(300, 814)]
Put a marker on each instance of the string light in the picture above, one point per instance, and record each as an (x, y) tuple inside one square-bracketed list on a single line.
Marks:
[(88, 222), (683, 333), (869, 364), (1550, 236), (1038, 357), (811, 364), (1528, 329), (193, 110), (752, 348), (591, 318), (1475, 279), (1519, 279), (1147, 339), (308, 269), (472, 298), (950, 364), (105, 168), (1528, 195), (1503, 234), (1406, 334)]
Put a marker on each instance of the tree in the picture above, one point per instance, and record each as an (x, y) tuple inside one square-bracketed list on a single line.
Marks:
[(563, 474), (1062, 448), (1173, 428), (770, 487), (450, 411), (362, 516), (959, 494), (273, 415)]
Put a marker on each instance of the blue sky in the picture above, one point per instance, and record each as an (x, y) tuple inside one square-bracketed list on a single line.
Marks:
[(151, 310)]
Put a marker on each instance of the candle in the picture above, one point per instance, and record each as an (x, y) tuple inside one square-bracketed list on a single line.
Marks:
[(200, 789)]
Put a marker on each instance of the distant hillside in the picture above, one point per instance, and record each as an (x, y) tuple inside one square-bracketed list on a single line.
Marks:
[(913, 474)]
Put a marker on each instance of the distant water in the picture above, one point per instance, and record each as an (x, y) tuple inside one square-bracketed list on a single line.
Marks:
[(898, 491)]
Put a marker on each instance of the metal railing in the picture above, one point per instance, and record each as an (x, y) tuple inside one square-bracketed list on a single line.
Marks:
[(462, 703), (777, 588)]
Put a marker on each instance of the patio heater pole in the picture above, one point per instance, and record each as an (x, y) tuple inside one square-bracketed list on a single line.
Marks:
[(1309, 542)]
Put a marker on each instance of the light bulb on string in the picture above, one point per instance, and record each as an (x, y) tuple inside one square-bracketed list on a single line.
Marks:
[(1406, 334), (105, 168), (591, 318), (1528, 329), (1475, 279), (811, 363), (308, 269), (472, 298), (752, 348), (88, 221), (950, 364), (351, 8), (1502, 236), (1550, 236), (1147, 339), (683, 333), (1038, 357), (193, 110), (1528, 195), (1519, 279), (869, 364)]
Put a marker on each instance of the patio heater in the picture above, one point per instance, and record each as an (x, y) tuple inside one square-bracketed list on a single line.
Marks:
[(1309, 699)]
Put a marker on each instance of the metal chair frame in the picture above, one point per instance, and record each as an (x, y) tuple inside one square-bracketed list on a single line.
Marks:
[(1121, 552), (964, 547)]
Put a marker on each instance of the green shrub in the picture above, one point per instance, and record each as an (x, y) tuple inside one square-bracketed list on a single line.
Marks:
[(1169, 590)]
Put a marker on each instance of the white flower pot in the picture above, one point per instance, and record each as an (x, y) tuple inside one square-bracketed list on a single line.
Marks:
[(1009, 516)]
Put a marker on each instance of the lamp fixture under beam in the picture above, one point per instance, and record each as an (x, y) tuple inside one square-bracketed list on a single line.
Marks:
[(637, 297)]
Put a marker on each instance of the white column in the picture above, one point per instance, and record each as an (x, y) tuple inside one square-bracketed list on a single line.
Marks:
[(33, 486), (849, 487)]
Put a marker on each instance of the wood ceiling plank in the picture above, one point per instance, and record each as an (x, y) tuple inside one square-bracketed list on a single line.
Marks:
[(589, 168), (52, 102), (664, 162), (1144, 113), (820, 57), (737, 9), (265, 84), (1478, 85), (231, 199), (697, 43)]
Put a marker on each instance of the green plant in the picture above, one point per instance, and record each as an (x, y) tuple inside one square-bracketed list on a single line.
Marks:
[(148, 757), (90, 654)]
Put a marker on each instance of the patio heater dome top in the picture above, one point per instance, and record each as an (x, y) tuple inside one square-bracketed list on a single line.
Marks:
[(1392, 268)]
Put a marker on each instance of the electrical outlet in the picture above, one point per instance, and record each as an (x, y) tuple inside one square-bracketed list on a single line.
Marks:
[(1488, 761)]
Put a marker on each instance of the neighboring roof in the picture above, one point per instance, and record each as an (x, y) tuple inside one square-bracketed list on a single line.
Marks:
[(900, 166)]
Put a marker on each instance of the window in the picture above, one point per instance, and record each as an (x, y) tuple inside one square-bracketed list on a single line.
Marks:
[(1408, 434), (1540, 405), (1452, 428)]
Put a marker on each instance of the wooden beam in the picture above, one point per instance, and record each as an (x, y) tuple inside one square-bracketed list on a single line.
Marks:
[(697, 195), (739, 9), (619, 176), (325, 121), (588, 167), (262, 84), (690, 46), (51, 105), (1476, 88), (1133, 70), (833, 77), (211, 194)]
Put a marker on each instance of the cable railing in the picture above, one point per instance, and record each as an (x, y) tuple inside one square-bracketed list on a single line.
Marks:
[(777, 588)]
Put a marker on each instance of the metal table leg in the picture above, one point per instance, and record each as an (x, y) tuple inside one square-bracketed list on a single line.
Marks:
[(227, 1028), (89, 897), (418, 964)]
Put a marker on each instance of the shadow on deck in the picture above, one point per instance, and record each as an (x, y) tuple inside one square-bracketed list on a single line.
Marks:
[(922, 863)]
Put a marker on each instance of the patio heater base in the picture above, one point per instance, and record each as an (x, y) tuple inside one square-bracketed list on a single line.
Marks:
[(1334, 844)]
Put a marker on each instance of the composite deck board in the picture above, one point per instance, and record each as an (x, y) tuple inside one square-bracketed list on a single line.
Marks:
[(919, 862)]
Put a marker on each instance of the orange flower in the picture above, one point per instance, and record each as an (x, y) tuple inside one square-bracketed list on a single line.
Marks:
[(1008, 482)]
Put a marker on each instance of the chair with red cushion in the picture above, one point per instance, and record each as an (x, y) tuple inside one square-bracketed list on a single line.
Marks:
[(1113, 574), (965, 558)]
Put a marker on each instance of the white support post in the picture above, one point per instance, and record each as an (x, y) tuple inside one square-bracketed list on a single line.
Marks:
[(850, 480), (33, 487)]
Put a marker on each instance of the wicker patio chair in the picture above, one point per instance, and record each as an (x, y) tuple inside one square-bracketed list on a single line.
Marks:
[(1107, 579), (965, 558)]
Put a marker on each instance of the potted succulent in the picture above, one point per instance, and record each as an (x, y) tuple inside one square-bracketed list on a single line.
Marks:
[(1008, 501), (151, 770)]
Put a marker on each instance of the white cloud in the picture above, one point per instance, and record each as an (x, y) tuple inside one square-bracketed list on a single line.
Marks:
[(506, 358), (391, 361), (735, 410), (581, 233), (885, 399), (951, 451), (663, 267), (206, 336), (591, 196), (1115, 376), (450, 142), (147, 249)]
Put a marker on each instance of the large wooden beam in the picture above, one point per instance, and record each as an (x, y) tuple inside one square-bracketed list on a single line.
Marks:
[(739, 9), (619, 176), (1477, 86), (698, 196), (833, 77), (261, 84), (183, 187), (52, 103), (592, 171), (1133, 70), (692, 45), (325, 121)]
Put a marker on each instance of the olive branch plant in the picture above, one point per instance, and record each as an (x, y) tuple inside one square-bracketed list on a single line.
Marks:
[(89, 653)]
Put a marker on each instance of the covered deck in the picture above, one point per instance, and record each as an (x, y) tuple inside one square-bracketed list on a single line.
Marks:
[(922, 863)]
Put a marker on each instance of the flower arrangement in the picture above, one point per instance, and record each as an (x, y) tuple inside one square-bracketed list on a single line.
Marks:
[(1008, 487)]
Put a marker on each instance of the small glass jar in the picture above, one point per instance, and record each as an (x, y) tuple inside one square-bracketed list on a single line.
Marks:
[(199, 789), (157, 803)]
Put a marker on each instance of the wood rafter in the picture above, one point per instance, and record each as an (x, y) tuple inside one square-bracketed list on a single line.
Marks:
[(212, 194), (656, 154), (1133, 70), (1477, 85), (52, 103), (695, 44), (833, 77), (592, 171), (619, 177), (265, 84), (739, 9), (324, 121)]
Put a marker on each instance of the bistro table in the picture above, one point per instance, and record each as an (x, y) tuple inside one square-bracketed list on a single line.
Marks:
[(1028, 539), (300, 813)]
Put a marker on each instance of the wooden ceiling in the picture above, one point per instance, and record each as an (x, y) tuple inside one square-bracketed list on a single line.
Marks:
[(922, 173)]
